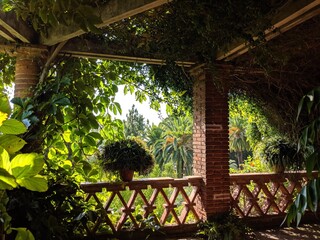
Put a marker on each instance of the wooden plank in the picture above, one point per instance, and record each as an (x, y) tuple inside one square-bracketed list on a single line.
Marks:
[(113, 12), (297, 13), (5, 34), (18, 30)]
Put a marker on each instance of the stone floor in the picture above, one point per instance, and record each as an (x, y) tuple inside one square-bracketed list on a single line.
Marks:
[(307, 231), (304, 232)]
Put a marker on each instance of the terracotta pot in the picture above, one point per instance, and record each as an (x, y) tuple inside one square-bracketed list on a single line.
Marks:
[(126, 175), (279, 168)]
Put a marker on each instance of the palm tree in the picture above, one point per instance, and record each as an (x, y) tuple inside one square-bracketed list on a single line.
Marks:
[(172, 141), (155, 141), (237, 138)]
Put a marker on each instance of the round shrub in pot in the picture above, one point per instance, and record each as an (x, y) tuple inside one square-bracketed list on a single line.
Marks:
[(128, 155)]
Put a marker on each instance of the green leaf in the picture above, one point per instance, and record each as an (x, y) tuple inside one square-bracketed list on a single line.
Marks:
[(303, 199), (17, 101), (13, 126), (3, 117), (300, 107), (12, 143), (61, 100), (5, 160), (36, 183), (96, 135), (89, 140), (4, 104), (312, 194), (7, 181), (310, 100), (311, 162), (26, 165), (23, 234)]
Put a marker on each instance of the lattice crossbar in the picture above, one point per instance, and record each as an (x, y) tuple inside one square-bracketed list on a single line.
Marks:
[(126, 205), (261, 194)]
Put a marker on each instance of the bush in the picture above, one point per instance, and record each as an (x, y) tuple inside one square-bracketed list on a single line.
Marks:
[(131, 154)]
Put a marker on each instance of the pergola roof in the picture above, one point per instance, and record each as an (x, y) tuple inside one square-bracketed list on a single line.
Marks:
[(12, 30), (294, 32)]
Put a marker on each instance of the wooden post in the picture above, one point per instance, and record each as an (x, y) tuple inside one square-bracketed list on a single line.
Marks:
[(211, 143)]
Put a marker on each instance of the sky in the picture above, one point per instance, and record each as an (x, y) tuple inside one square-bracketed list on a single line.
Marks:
[(126, 102)]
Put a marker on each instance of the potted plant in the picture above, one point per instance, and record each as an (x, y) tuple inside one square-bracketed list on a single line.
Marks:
[(281, 155), (126, 157)]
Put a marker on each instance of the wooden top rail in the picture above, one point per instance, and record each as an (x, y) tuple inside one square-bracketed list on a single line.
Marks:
[(266, 177), (142, 184)]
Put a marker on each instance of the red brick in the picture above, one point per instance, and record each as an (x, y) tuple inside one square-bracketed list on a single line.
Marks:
[(211, 143)]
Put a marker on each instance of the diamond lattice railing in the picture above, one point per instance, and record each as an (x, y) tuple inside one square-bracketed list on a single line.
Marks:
[(261, 194), (127, 205)]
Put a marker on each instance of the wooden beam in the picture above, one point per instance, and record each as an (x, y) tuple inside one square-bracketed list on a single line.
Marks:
[(114, 11), (122, 58), (284, 21), (13, 29), (79, 47), (4, 33), (13, 49)]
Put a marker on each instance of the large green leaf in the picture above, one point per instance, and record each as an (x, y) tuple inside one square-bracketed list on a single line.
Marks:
[(3, 117), (12, 143), (4, 104), (36, 183), (23, 234), (5, 160), (26, 165), (7, 181), (12, 126)]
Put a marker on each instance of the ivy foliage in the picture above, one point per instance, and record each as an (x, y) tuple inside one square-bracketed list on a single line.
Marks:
[(200, 28), (45, 14)]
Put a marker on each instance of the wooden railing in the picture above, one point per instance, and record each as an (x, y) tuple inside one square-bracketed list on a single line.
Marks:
[(264, 194), (129, 205), (169, 203)]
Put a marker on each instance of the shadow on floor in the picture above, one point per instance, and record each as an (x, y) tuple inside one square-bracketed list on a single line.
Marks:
[(307, 231)]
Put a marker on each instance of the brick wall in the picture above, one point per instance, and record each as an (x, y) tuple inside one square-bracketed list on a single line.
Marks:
[(211, 143)]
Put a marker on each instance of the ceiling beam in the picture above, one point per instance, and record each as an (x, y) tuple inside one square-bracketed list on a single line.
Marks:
[(122, 58), (113, 12), (98, 49), (295, 14), (14, 49), (14, 30)]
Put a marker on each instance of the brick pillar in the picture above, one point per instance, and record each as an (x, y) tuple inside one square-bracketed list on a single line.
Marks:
[(211, 143), (27, 71)]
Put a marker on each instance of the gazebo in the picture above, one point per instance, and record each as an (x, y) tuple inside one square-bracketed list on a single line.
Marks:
[(260, 199)]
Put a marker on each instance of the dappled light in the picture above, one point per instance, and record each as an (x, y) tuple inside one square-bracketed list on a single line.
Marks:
[(236, 150)]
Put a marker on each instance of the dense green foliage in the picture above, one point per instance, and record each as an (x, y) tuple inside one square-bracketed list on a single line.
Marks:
[(281, 155), (249, 131), (226, 227), (17, 171), (134, 124), (44, 14), (131, 154)]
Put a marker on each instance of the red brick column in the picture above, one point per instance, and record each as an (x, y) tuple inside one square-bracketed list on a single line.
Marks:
[(211, 143), (27, 70)]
